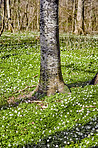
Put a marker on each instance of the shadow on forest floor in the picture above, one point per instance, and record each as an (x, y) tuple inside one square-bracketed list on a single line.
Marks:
[(21, 99), (62, 138), (94, 81), (78, 84)]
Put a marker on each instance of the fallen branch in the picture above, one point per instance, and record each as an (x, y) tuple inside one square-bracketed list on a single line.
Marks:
[(89, 106)]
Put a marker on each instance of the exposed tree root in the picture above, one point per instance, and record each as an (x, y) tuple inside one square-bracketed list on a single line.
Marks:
[(12, 99), (21, 90)]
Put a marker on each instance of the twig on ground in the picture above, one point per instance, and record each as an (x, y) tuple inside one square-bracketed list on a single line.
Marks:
[(89, 106)]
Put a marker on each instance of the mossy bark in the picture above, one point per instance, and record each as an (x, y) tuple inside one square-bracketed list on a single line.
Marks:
[(51, 80)]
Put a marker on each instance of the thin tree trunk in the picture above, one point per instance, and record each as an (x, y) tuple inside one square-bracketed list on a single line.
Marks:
[(3, 20), (18, 14), (51, 80), (24, 19), (14, 17), (79, 28), (26, 14), (10, 26), (67, 17), (37, 17), (74, 15)]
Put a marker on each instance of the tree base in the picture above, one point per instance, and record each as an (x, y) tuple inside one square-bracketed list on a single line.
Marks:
[(94, 81), (79, 31), (53, 88)]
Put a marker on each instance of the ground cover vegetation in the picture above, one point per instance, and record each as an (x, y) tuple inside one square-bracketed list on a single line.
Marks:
[(57, 121)]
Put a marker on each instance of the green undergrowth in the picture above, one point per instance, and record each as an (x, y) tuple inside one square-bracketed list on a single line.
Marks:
[(57, 121)]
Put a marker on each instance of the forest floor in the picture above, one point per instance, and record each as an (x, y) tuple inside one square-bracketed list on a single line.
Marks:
[(69, 121)]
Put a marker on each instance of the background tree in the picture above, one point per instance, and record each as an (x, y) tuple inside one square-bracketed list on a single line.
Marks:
[(3, 16), (24, 15), (79, 28), (74, 15), (51, 80), (9, 22), (0, 14)]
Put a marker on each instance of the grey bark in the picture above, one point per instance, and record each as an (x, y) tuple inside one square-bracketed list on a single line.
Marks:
[(91, 14), (51, 80), (74, 15), (37, 15), (79, 28), (10, 25), (3, 19), (67, 17), (18, 14)]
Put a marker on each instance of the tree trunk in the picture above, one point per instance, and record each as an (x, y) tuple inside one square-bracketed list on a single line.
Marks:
[(37, 15), (10, 26), (3, 19), (94, 81), (66, 28), (79, 28), (18, 15), (74, 15), (51, 80)]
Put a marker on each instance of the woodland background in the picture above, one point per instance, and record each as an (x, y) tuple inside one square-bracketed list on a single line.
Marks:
[(61, 120), (23, 15)]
